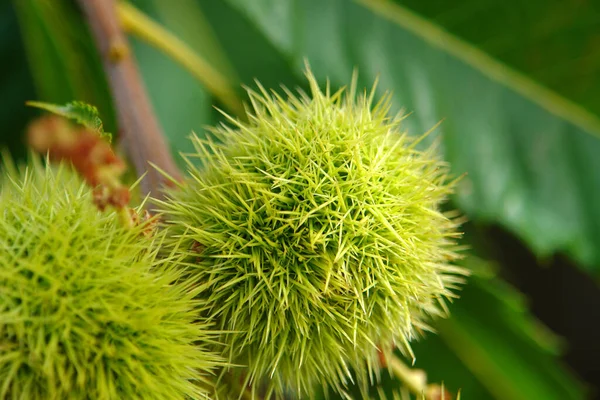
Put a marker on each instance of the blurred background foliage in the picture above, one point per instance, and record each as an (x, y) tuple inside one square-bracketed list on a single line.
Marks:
[(517, 86)]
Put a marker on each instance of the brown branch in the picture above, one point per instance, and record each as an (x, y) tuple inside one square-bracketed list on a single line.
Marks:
[(139, 127)]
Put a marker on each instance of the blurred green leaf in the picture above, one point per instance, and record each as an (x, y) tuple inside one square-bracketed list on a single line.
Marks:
[(556, 42), (511, 354), (15, 82), (530, 155), (188, 22), (252, 54), (64, 60), (181, 103), (213, 30)]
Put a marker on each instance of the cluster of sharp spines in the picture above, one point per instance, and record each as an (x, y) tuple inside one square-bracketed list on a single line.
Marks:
[(303, 244), (87, 308), (315, 227)]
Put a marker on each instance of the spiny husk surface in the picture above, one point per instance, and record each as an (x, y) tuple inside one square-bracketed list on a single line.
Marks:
[(87, 310), (317, 228)]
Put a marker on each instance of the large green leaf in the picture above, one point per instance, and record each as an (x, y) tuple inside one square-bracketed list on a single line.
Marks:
[(530, 156), (213, 31), (494, 337), (252, 54), (554, 41)]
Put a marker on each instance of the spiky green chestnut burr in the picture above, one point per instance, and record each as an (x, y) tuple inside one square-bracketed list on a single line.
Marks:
[(87, 310), (317, 228)]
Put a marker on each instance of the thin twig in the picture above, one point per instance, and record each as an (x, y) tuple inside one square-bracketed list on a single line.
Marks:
[(137, 23), (140, 130)]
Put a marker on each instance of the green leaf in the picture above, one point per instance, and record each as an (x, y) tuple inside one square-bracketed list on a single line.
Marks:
[(181, 103), (190, 24), (555, 42), (62, 56), (15, 83), (510, 353), (252, 54), (82, 113), (530, 155)]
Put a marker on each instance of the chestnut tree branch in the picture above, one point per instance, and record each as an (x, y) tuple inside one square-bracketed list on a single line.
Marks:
[(141, 133)]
